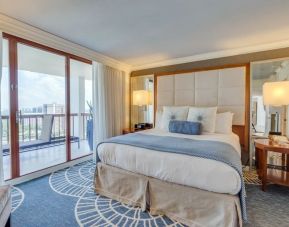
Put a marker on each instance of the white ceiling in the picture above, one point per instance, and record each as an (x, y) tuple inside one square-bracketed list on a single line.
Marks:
[(140, 32)]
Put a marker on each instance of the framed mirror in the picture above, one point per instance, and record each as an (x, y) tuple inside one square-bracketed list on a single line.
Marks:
[(141, 99), (269, 116)]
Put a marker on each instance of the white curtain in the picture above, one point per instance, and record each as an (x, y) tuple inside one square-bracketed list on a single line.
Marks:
[(1, 152), (108, 102)]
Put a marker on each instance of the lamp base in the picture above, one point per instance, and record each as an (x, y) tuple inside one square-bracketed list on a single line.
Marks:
[(275, 133)]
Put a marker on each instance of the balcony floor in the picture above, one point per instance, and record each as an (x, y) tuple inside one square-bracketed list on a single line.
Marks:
[(31, 161)]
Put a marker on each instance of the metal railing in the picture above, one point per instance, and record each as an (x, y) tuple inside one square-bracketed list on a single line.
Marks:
[(30, 126)]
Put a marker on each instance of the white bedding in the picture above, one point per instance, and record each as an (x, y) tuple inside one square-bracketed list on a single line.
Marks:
[(187, 170)]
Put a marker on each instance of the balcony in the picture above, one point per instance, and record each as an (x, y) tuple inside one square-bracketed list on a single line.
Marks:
[(38, 156)]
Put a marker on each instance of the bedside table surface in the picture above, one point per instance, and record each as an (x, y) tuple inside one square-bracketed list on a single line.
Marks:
[(266, 144), (276, 176)]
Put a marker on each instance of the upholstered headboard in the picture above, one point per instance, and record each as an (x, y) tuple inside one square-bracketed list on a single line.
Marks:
[(224, 88)]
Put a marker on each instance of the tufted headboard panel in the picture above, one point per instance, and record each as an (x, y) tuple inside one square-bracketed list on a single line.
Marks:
[(225, 88)]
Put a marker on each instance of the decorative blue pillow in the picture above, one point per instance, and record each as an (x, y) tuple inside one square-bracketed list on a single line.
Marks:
[(185, 127)]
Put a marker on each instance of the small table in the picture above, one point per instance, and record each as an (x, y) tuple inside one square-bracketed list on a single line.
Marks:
[(132, 130), (275, 176)]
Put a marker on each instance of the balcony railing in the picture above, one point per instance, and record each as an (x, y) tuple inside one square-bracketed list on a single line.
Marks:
[(30, 126)]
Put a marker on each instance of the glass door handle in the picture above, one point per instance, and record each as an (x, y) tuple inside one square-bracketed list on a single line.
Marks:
[(18, 116), (14, 87)]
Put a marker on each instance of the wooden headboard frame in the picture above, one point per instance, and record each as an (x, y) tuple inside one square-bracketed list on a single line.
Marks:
[(241, 130)]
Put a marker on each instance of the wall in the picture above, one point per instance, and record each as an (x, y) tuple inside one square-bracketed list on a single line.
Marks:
[(217, 62)]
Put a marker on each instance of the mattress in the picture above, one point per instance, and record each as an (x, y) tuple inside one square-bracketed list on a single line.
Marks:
[(181, 169)]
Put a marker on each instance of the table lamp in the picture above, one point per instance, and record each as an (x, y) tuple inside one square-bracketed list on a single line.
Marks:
[(141, 98), (276, 94)]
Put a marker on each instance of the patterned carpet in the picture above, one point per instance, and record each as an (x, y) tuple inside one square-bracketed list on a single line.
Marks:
[(251, 177), (66, 198)]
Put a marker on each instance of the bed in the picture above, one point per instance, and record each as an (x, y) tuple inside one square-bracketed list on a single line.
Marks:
[(193, 190), (195, 172)]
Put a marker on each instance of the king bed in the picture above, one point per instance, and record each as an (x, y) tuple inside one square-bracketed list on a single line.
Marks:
[(194, 179)]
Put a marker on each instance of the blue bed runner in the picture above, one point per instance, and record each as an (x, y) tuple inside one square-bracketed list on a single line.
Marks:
[(213, 150)]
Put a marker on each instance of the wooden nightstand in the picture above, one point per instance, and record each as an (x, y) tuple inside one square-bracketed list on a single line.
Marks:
[(275, 176), (127, 131), (132, 130)]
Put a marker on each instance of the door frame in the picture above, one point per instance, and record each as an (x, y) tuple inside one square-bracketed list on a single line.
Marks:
[(13, 83)]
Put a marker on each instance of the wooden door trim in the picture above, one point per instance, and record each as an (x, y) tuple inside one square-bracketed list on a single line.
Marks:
[(13, 88), (13, 78), (46, 48)]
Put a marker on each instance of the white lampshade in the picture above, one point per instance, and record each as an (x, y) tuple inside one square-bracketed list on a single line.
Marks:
[(151, 97), (140, 98), (276, 93)]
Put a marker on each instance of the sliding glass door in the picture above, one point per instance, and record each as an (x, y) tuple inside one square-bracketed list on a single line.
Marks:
[(46, 107), (41, 108), (5, 111), (81, 124)]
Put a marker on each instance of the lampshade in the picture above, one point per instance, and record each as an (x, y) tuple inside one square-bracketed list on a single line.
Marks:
[(140, 98), (276, 93), (151, 97)]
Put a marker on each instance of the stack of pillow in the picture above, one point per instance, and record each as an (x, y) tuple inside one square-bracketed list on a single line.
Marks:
[(194, 120)]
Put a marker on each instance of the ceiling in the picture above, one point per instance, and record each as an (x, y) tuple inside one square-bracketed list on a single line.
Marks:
[(140, 32)]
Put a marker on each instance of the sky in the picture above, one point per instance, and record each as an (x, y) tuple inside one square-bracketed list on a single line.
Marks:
[(36, 89)]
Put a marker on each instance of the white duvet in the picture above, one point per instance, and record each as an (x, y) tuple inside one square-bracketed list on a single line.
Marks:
[(186, 170)]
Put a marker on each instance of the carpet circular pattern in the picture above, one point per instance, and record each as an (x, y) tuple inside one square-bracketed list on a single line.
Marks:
[(73, 181), (17, 197), (95, 210), (76, 204)]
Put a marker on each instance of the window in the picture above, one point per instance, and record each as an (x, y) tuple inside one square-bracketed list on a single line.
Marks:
[(81, 124), (41, 107), (46, 101)]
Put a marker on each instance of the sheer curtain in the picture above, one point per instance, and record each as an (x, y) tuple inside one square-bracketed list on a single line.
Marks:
[(1, 152), (108, 102)]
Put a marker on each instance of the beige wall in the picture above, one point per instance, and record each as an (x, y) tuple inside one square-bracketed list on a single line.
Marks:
[(238, 59)]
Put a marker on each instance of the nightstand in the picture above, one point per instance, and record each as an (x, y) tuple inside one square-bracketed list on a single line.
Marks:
[(132, 130), (127, 131), (276, 176)]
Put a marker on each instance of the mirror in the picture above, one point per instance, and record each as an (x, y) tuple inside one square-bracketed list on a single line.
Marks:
[(142, 111), (268, 118)]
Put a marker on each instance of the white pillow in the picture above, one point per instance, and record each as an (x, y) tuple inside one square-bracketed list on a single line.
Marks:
[(224, 122), (173, 113), (205, 115), (159, 117)]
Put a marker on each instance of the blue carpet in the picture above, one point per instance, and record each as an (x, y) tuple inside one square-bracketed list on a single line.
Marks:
[(66, 198), (43, 207), (270, 208)]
